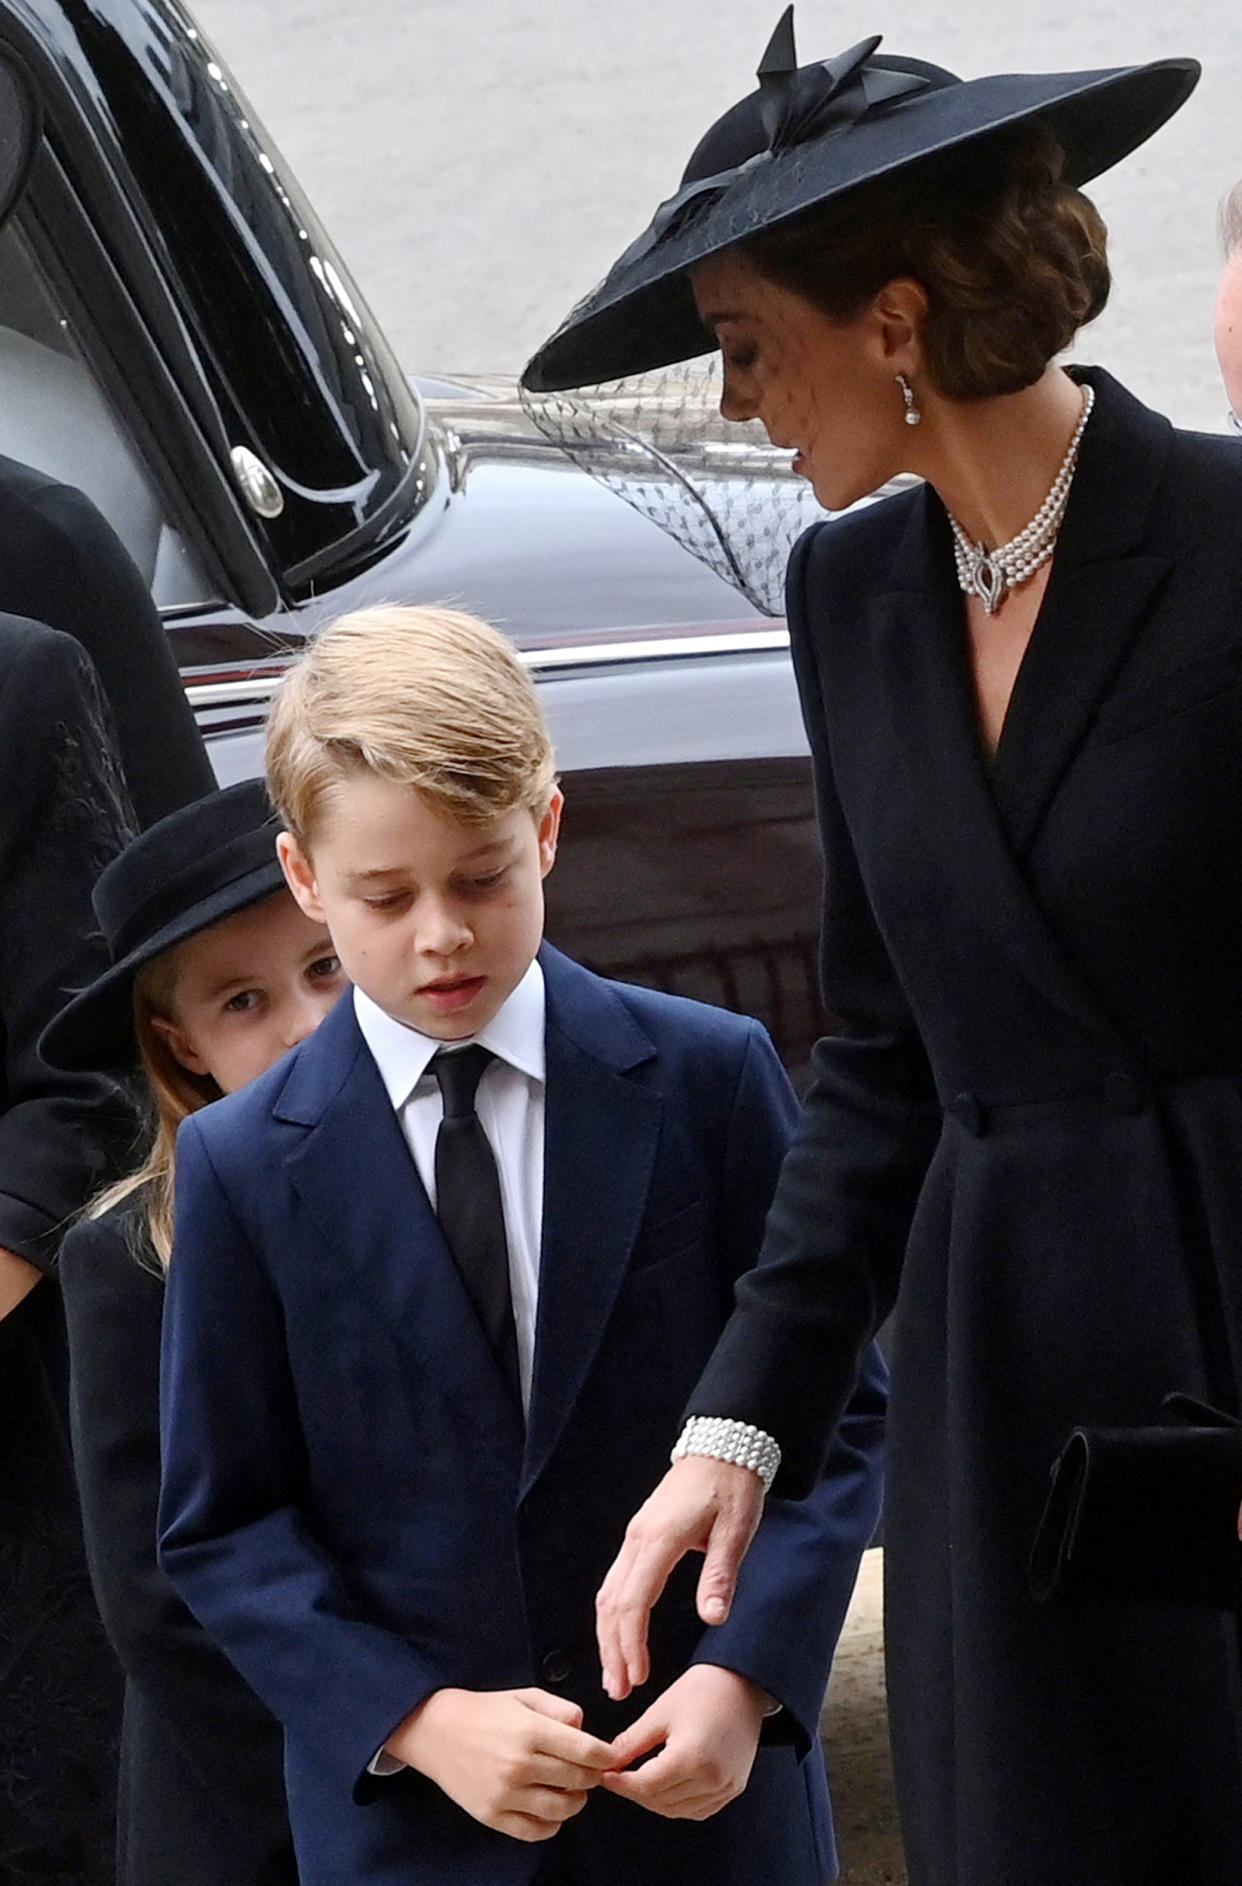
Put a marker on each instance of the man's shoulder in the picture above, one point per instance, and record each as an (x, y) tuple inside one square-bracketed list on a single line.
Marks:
[(683, 1018), (674, 1025), (249, 1119)]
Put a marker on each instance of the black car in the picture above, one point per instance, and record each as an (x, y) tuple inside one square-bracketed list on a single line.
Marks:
[(179, 338)]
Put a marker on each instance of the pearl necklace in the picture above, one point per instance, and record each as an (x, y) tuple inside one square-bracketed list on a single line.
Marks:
[(989, 573)]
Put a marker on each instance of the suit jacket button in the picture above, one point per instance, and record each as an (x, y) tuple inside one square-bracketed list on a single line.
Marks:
[(1123, 1093), (968, 1110), (556, 1666)]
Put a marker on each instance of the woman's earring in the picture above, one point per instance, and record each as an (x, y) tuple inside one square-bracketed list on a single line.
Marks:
[(913, 416)]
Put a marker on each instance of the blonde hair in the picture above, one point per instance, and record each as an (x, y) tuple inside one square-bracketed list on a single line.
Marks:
[(176, 1093), (428, 697)]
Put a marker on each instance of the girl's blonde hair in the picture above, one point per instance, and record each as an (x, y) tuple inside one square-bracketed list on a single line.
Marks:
[(176, 1093)]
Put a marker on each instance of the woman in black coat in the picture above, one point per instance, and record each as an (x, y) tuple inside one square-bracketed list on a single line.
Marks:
[(63, 814), (1022, 685), (65, 810), (87, 752)]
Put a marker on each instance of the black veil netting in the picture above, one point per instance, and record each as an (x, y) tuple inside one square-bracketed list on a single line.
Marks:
[(716, 486)]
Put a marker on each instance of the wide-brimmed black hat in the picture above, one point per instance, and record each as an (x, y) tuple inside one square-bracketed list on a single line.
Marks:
[(207, 860), (814, 132)]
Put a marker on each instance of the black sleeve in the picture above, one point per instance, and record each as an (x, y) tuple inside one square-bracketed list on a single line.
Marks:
[(831, 1259), (63, 816), (61, 563), (113, 1307)]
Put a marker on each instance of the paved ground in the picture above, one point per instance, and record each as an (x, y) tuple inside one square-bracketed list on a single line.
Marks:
[(856, 1743), (480, 162)]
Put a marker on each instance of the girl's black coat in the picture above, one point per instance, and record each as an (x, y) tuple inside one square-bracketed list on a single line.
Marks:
[(202, 1799), (1028, 1135)]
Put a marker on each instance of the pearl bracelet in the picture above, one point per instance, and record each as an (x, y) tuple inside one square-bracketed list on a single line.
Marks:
[(717, 1438)]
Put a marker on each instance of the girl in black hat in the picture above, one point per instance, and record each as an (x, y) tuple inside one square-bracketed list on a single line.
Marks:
[(215, 973), (1022, 685)]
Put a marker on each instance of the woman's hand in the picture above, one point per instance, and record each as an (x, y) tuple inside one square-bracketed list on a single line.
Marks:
[(701, 1505)]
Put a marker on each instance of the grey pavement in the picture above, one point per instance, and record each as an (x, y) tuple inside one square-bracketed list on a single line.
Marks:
[(480, 162)]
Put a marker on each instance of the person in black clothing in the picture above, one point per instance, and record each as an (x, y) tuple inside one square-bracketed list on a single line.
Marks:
[(63, 815), (88, 753), (214, 981), (1021, 680), (61, 563), (65, 809)]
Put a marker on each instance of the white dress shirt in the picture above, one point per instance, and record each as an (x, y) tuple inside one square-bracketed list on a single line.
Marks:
[(510, 1106)]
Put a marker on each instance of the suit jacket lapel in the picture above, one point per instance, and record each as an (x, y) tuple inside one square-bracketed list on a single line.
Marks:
[(354, 1173), (601, 1134)]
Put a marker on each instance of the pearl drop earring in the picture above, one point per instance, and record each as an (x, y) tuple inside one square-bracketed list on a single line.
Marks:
[(913, 416)]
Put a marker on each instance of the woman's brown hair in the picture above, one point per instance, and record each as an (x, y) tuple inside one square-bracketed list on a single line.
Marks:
[(1013, 259)]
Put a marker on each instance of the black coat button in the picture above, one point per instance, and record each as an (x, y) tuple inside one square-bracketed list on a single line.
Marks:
[(968, 1110), (1123, 1093), (556, 1666)]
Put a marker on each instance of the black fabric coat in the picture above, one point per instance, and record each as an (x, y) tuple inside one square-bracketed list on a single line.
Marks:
[(62, 817), (62, 563), (202, 1799), (1028, 1135)]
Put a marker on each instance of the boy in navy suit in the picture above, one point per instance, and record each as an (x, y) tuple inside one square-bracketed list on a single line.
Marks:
[(441, 1284)]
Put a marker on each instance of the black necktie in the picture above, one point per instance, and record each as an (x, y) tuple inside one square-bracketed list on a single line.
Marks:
[(468, 1202)]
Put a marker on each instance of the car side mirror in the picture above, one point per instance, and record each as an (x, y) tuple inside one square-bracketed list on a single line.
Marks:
[(20, 125)]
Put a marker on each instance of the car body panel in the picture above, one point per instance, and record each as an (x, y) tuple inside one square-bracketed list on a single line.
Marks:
[(165, 283)]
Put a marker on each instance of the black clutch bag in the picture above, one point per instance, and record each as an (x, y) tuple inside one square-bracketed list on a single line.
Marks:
[(1146, 1515)]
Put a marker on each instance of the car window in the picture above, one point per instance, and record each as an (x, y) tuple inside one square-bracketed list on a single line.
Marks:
[(303, 376), (703, 880), (55, 416)]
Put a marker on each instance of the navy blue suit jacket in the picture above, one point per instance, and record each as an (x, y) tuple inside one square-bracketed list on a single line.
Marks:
[(352, 1503)]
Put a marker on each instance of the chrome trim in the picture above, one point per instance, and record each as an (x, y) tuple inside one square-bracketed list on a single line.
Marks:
[(208, 694), (653, 648)]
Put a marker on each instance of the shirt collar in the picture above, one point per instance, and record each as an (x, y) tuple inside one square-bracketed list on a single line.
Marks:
[(515, 1035)]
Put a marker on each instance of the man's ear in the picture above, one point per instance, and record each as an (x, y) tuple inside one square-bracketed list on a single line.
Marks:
[(300, 876), (179, 1046), (550, 831)]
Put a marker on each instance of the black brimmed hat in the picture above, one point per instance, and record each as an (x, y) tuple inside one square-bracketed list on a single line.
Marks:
[(811, 133), (203, 862)]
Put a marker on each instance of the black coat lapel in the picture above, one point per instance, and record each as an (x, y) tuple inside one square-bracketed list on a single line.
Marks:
[(977, 819), (602, 1130), (1102, 585), (921, 641)]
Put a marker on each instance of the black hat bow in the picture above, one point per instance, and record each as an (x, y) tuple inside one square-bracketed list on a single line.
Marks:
[(795, 104)]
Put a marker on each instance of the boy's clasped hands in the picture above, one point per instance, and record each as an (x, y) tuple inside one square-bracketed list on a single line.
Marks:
[(520, 1761)]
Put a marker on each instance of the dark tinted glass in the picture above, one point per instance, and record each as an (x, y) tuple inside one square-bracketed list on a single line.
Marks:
[(700, 879), (303, 376)]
